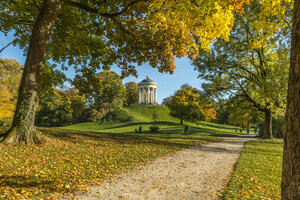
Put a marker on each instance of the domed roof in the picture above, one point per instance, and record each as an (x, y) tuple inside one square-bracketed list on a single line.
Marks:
[(147, 81)]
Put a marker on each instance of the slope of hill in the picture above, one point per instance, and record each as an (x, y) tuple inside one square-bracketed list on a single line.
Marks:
[(127, 119)]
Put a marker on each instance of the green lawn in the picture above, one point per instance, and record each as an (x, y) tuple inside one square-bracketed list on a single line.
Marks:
[(140, 115), (258, 172)]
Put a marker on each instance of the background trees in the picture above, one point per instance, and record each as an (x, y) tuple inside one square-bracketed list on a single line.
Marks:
[(10, 76), (101, 88), (132, 96), (254, 72), (189, 104), (54, 109)]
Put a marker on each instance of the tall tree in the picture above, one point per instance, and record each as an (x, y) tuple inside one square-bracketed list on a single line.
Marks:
[(78, 105), (54, 109), (104, 87), (243, 67), (99, 33), (290, 184), (188, 104), (132, 95)]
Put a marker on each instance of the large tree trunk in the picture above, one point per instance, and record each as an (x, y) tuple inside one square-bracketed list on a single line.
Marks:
[(268, 124), (290, 184), (22, 129)]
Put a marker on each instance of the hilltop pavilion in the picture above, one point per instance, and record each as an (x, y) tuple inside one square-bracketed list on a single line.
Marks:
[(147, 91)]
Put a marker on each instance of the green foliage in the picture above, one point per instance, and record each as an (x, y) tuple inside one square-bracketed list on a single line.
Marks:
[(51, 78), (154, 129), (91, 115), (258, 172), (132, 96), (104, 87), (77, 105), (188, 104), (54, 109), (252, 73)]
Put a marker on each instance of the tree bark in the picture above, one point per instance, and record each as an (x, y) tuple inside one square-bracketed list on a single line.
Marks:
[(22, 129), (268, 124), (290, 184)]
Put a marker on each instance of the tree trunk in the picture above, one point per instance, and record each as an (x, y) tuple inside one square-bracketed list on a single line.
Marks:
[(290, 184), (181, 121), (22, 129), (268, 124)]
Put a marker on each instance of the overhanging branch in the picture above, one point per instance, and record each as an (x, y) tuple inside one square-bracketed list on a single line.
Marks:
[(6, 46)]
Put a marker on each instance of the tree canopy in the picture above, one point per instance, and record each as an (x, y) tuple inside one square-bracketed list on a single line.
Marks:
[(132, 95), (189, 104), (253, 73), (103, 87)]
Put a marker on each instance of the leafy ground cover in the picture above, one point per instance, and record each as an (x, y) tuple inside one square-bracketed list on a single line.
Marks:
[(69, 160), (258, 172), (72, 159)]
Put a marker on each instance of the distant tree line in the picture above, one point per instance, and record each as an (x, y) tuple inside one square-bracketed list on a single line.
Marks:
[(89, 100)]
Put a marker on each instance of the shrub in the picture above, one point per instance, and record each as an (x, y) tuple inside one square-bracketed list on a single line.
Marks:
[(154, 129), (92, 115)]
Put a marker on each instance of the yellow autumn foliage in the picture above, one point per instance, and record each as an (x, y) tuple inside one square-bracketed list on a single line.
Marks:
[(7, 106)]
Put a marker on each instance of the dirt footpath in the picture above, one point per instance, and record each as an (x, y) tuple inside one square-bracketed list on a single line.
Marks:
[(198, 173)]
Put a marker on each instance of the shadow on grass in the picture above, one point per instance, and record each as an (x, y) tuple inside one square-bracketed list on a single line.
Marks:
[(176, 141), (175, 128), (143, 123), (23, 181), (217, 149), (179, 141), (31, 182)]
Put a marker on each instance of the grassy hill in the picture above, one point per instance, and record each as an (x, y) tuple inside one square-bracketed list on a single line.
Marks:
[(127, 119)]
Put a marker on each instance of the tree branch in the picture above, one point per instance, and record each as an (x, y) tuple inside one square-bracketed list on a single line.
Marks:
[(36, 5), (6, 46)]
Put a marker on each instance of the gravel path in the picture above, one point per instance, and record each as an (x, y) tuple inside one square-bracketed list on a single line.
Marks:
[(197, 173)]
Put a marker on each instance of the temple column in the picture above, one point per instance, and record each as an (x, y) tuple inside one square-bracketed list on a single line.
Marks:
[(140, 95), (143, 94), (155, 101), (152, 96), (148, 101)]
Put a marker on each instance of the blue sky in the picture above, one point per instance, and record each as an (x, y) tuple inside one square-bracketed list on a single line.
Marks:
[(167, 84)]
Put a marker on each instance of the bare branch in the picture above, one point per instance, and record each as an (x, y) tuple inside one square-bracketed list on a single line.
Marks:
[(36, 5)]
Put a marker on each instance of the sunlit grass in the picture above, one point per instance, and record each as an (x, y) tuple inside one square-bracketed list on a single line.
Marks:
[(168, 125), (258, 172)]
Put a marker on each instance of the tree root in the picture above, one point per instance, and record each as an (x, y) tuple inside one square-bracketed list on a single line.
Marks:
[(12, 137)]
